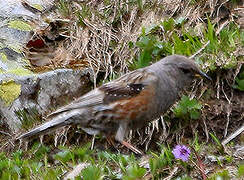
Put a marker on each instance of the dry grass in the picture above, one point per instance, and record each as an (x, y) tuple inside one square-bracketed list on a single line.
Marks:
[(99, 37)]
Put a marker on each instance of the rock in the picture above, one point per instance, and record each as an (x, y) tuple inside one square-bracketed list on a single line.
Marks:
[(239, 151), (16, 9), (24, 95), (39, 92), (16, 25)]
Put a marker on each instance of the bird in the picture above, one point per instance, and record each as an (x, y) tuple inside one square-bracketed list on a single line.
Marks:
[(129, 102)]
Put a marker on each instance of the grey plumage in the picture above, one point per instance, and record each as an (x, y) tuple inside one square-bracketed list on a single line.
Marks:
[(127, 102)]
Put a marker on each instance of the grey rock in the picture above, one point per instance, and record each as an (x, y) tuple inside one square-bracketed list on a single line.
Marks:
[(15, 9), (239, 151), (13, 38), (43, 92)]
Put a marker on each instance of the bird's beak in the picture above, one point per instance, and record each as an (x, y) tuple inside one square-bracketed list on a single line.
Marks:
[(202, 74)]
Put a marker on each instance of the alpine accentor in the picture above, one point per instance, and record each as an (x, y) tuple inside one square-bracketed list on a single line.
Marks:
[(128, 102)]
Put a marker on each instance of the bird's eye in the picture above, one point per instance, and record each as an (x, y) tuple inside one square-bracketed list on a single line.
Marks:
[(186, 71)]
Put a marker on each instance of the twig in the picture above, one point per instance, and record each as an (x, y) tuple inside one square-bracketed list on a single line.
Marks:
[(200, 50), (221, 6), (218, 86), (232, 136), (172, 173), (30, 8), (165, 134), (205, 128), (76, 171), (238, 69), (229, 109), (200, 165), (5, 133), (150, 133), (228, 122), (93, 142), (226, 97)]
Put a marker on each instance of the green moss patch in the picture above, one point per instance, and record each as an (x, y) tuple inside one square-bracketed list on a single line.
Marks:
[(20, 25), (20, 71), (3, 57), (9, 91)]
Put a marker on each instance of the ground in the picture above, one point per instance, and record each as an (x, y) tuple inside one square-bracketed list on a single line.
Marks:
[(114, 37)]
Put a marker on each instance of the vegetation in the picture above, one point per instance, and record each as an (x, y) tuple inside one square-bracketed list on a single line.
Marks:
[(35, 164), (119, 41)]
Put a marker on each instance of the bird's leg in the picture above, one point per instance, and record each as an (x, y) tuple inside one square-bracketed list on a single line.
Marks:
[(120, 137), (93, 142), (132, 148), (110, 141)]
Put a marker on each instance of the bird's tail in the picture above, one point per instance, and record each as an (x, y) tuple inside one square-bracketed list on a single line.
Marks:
[(58, 121)]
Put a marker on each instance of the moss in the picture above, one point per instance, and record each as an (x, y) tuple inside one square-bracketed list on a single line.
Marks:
[(3, 57), (9, 91), (15, 47), (26, 62), (20, 71), (1, 45), (20, 25), (38, 6)]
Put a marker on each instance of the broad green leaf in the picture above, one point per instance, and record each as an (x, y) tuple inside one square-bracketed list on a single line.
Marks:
[(92, 173)]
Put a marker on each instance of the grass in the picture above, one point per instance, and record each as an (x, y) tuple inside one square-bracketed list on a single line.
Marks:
[(28, 117), (178, 40), (239, 80), (100, 164), (108, 38)]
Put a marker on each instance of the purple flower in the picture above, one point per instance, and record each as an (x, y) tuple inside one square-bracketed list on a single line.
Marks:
[(181, 152)]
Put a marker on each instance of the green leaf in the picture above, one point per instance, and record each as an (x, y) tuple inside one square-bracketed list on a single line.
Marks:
[(51, 174), (241, 170), (222, 175), (210, 31), (140, 4), (180, 20), (36, 166), (92, 173), (168, 24), (83, 153), (241, 75), (38, 6), (134, 172), (195, 114), (240, 84), (217, 141), (187, 108), (39, 150), (64, 156)]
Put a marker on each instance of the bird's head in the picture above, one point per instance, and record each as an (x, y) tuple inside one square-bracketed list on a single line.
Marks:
[(185, 69)]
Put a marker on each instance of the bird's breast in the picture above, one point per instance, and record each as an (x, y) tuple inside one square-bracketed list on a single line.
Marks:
[(138, 108)]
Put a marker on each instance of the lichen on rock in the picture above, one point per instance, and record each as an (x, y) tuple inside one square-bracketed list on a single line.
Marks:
[(20, 25), (9, 91), (20, 71), (3, 57)]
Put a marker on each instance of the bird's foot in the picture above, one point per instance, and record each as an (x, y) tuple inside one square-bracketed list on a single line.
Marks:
[(132, 148), (111, 142)]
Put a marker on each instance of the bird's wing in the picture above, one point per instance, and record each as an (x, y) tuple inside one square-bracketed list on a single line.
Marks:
[(127, 86), (92, 98)]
